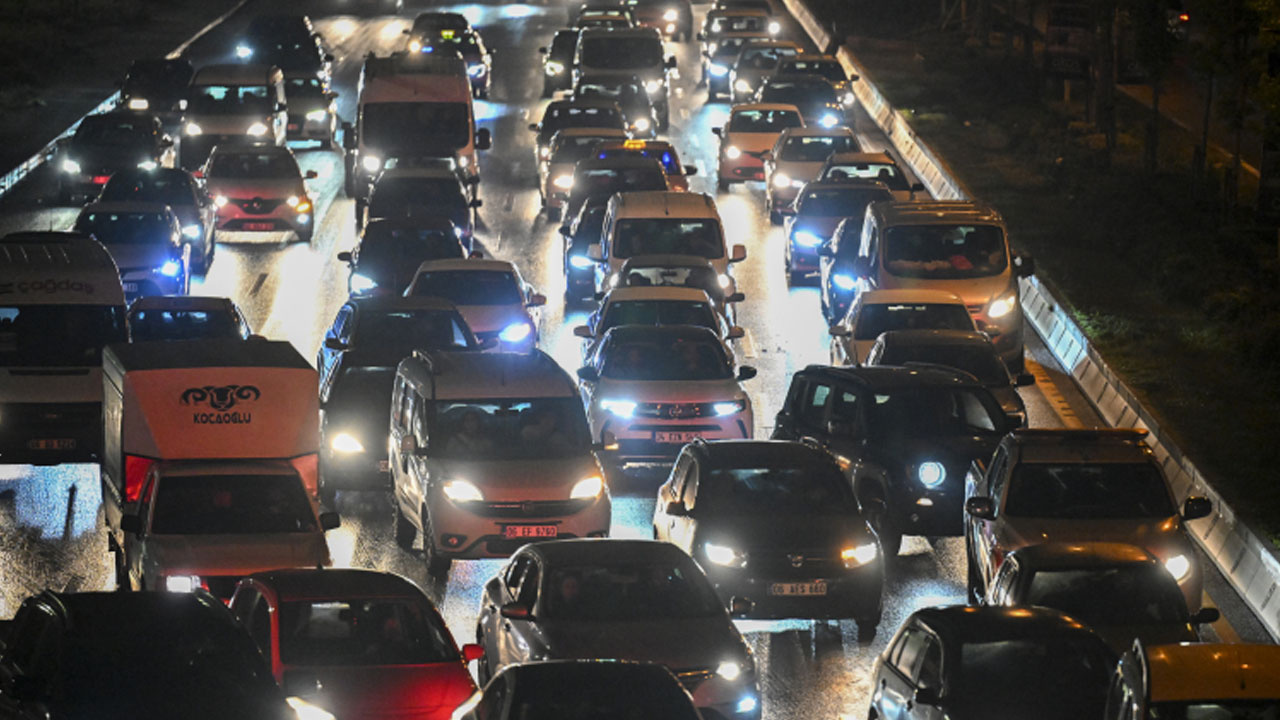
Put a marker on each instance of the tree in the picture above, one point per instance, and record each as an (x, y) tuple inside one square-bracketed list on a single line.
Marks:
[(1154, 48), (1229, 29)]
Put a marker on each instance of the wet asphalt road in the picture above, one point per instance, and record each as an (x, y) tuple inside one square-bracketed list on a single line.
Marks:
[(50, 527)]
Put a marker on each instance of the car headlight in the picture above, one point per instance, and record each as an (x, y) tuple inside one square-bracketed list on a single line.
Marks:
[(724, 281), (182, 583), (544, 152), (415, 46), (475, 70), (170, 268), (291, 201), (1002, 307), (257, 129), (1178, 566), (847, 99), (346, 443), (652, 86), (641, 125), (747, 704), (148, 165), (220, 200), (139, 104), (191, 231), (515, 332), (728, 408), (621, 408), (717, 70), (71, 166), (742, 86), (723, 555), (553, 67), (671, 15), (371, 163), (732, 152), (931, 474), (828, 121), (564, 182), (804, 238), (581, 262), (308, 711), (192, 129), (462, 491), (858, 555), (729, 670), (244, 51), (587, 488), (844, 281), (317, 115), (781, 180), (775, 27)]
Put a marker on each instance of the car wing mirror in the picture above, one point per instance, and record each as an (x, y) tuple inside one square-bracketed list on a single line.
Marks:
[(862, 267), (516, 611), (690, 170), (1206, 616), (838, 330), (671, 62), (472, 651), (736, 333), (330, 521), (925, 695), (746, 372), (583, 331), (543, 50), (735, 298), (608, 442), (588, 374), (477, 203), (346, 257), (131, 524), (677, 509), (826, 251), (839, 427), (533, 127), (536, 300), (335, 344), (739, 253), (983, 508), (484, 139), (1196, 507), (717, 131), (1024, 380), (311, 175)]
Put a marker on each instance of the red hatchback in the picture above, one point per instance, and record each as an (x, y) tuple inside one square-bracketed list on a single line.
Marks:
[(361, 644)]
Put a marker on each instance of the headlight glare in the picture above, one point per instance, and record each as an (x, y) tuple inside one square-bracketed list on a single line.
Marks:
[(220, 200), (581, 262), (554, 67), (621, 408), (415, 46), (362, 283), (307, 711), (371, 163), (139, 104), (515, 332), (781, 180), (191, 232), (462, 491), (1002, 307), (732, 152), (641, 124), (317, 115), (742, 86), (193, 129), (346, 443), (729, 670), (723, 281), (170, 268), (244, 51), (1178, 566), (291, 201), (859, 555), (717, 70), (564, 182), (671, 15), (257, 129), (829, 121), (723, 555), (775, 27), (475, 70), (931, 474), (147, 165), (652, 86), (587, 488), (727, 408), (843, 281), (804, 238), (71, 166), (181, 583)]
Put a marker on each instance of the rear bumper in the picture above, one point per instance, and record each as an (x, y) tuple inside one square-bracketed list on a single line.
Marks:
[(50, 433)]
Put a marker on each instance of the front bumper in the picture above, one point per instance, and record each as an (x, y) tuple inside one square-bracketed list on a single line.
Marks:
[(652, 440), (743, 168), (930, 513), (481, 529), (855, 593), (147, 284), (271, 215), (720, 699), (50, 433)]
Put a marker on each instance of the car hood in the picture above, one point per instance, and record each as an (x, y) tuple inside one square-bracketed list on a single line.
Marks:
[(1150, 533), (354, 692), (752, 142), (782, 533), (671, 391), (646, 73), (974, 291), (798, 170), (492, 318), (520, 480), (148, 256), (236, 554), (255, 187), (107, 157), (221, 124), (679, 644)]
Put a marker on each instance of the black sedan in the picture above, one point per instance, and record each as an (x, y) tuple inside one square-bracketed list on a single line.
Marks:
[(390, 252), (774, 523), (581, 689), (107, 143), (157, 86)]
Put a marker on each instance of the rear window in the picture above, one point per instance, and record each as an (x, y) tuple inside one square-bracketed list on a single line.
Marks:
[(877, 318), (617, 53), (764, 121), (469, 287), (945, 252), (168, 324), (668, 236), (887, 173), (664, 155), (363, 631), (114, 131), (840, 202)]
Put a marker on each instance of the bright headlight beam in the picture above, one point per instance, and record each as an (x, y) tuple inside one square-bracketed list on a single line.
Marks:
[(563, 182), (726, 408), (346, 443), (587, 488), (732, 152), (843, 281), (621, 408), (71, 166), (717, 70), (462, 491), (191, 231), (362, 283), (804, 238), (371, 163), (931, 474), (722, 555), (1001, 307), (1178, 566), (181, 583), (257, 129), (581, 262), (515, 332), (729, 670), (317, 115), (307, 711), (171, 268), (859, 555)]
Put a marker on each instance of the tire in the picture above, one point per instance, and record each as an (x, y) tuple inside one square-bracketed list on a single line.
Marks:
[(722, 185), (876, 511), (405, 533), (437, 565), (867, 628), (775, 217)]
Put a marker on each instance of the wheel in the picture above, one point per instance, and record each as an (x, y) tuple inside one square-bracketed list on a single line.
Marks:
[(348, 180), (722, 185), (974, 582), (404, 531), (876, 511), (437, 565), (775, 217)]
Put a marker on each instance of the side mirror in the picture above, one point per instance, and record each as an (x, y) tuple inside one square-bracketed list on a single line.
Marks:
[(490, 343), (595, 252), (767, 156), (131, 524), (335, 344), (738, 254), (717, 131), (472, 651), (1024, 380), (671, 62), (536, 300), (588, 374), (484, 139), (917, 187), (690, 170), (700, 37), (927, 696), (677, 509), (516, 611), (1024, 265), (746, 372), (826, 251), (166, 142), (477, 203), (1206, 616), (1196, 507), (310, 175), (346, 257), (583, 331), (332, 95), (408, 445), (983, 508), (735, 298), (533, 127), (740, 606), (736, 333), (543, 50), (838, 330), (329, 521)]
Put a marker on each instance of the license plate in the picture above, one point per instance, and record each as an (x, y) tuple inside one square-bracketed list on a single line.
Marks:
[(293, 126), (384, 466), (259, 226), (529, 531), (52, 444), (129, 287), (674, 436), (798, 588)]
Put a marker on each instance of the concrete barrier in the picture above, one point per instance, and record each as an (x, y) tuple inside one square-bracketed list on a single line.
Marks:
[(812, 27)]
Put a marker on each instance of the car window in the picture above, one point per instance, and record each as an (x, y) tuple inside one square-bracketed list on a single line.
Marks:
[(510, 429), (930, 411), (250, 166), (1088, 490), (470, 287), (876, 318), (839, 201), (668, 236), (799, 94), (617, 53), (1067, 672), (887, 173), (387, 337), (689, 495), (127, 228), (658, 312), (804, 489), (665, 156), (815, 403), (844, 408), (907, 654), (515, 573), (764, 121), (527, 594), (103, 130), (930, 672), (362, 631), (945, 251), (631, 591), (168, 187), (981, 361), (1127, 596), (171, 324), (666, 359)]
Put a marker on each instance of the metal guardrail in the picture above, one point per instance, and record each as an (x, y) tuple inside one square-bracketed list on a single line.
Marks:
[(12, 178), (1244, 558)]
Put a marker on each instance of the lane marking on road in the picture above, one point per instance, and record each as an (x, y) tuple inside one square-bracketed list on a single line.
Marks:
[(500, 236), (702, 168), (1058, 401), (257, 285), (748, 344), (506, 206)]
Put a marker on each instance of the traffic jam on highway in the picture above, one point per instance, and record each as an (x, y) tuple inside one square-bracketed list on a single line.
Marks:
[(769, 443)]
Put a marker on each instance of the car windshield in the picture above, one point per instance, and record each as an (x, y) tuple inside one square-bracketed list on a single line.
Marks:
[(628, 95), (811, 489), (702, 278), (362, 631), (392, 261), (839, 202), (395, 334), (828, 69), (738, 23), (229, 99), (621, 53), (815, 149), (763, 59), (1215, 710), (604, 20), (127, 228), (572, 148), (170, 187), (304, 87), (604, 182), (417, 197), (629, 591), (1055, 678), (913, 412), (231, 505), (666, 359), (1088, 490), (887, 173), (254, 166), (57, 335), (171, 324), (430, 22), (416, 128), (876, 318), (980, 361), (801, 94), (939, 252), (668, 236), (530, 429), (764, 121), (658, 312), (727, 48), (1133, 595), (470, 287), (114, 131), (570, 116), (663, 154), (364, 386), (640, 695)]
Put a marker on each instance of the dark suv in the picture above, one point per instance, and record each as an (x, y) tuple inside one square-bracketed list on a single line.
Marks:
[(904, 436)]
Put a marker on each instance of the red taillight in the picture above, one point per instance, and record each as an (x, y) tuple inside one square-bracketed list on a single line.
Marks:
[(308, 467), (135, 472), (101, 179), (1184, 17)]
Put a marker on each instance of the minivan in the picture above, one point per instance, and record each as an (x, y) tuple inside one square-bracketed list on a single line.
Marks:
[(233, 104)]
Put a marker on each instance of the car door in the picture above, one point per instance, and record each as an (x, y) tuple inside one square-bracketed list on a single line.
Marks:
[(684, 528), (1003, 587), (982, 533), (811, 418), (845, 431), (336, 332), (895, 685), (515, 636)]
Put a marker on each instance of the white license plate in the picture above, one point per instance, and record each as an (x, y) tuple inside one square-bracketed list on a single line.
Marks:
[(798, 588), (384, 466), (529, 531), (673, 436), (129, 287), (259, 226), (52, 444)]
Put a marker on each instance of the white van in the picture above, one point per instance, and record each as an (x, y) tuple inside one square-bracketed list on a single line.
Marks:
[(233, 105), (60, 303), (662, 223)]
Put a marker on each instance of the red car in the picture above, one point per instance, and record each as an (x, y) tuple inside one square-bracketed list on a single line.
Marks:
[(361, 644)]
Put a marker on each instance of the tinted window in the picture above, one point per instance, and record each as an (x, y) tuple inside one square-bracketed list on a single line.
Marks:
[(362, 632), (567, 116), (665, 359), (630, 591), (127, 228), (241, 165), (668, 236), (607, 181), (702, 278), (1137, 595), (739, 23), (617, 53), (828, 69), (764, 121), (840, 202), (415, 197), (1049, 677), (887, 173), (572, 148), (58, 335), (395, 334), (303, 87), (876, 318), (815, 149), (470, 287), (364, 386), (638, 696), (931, 412), (658, 312), (811, 489), (114, 131), (386, 253), (1088, 490), (231, 505), (981, 362), (798, 93), (170, 187), (425, 128), (763, 58), (229, 99), (168, 324), (539, 428), (945, 251)]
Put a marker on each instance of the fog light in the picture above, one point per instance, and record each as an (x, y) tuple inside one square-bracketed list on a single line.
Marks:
[(732, 152), (317, 116), (747, 704)]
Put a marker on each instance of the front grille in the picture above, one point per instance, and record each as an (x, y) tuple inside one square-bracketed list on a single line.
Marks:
[(692, 678), (528, 508), (257, 205), (675, 411), (652, 427), (810, 563)]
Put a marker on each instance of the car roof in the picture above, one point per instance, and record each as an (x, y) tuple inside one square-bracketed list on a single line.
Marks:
[(604, 550), (909, 295), (664, 203), (1081, 555), (439, 172), (208, 353), (127, 207), (423, 223), (664, 332), (778, 452), (967, 623), (182, 302), (588, 673), (633, 160), (854, 157), (316, 583), (933, 338), (624, 143), (148, 610), (818, 131), (936, 212), (1093, 445), (583, 102), (468, 265), (647, 32), (235, 149), (812, 57), (673, 293), (773, 42), (115, 115), (763, 106), (850, 184), (889, 377), (1205, 671), (797, 79), (489, 375)]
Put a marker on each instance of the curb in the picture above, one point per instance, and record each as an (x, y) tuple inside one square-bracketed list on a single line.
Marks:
[(13, 177), (1243, 558)]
